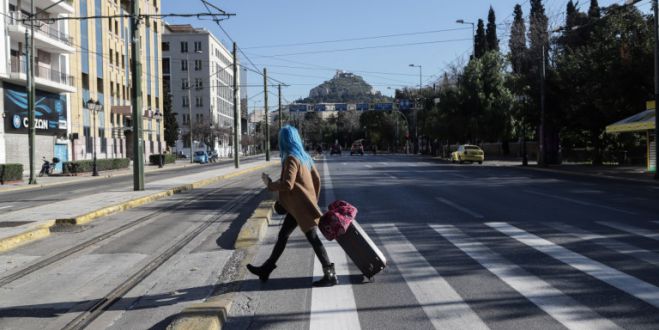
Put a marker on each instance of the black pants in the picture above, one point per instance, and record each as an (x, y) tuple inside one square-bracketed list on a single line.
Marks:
[(312, 236)]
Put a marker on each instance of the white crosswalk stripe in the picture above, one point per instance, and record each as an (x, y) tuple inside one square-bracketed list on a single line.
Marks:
[(632, 230), (561, 307), (333, 307), (609, 243), (629, 284), (441, 303)]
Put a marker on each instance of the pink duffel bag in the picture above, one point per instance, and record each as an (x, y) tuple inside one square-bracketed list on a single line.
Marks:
[(337, 219)]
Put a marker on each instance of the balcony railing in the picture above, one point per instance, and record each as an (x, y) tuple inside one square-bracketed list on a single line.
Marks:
[(18, 66), (17, 17)]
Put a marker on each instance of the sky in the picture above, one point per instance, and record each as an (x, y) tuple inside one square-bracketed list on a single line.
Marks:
[(302, 43)]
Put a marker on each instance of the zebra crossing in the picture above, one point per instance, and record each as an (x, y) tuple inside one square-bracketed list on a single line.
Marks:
[(444, 306)]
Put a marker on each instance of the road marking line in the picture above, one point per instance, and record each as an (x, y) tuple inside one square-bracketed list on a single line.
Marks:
[(571, 200), (461, 208), (4, 207), (383, 163), (442, 304), (369, 166), (561, 307), (633, 286), (609, 243), (632, 230), (462, 176), (392, 177), (333, 307)]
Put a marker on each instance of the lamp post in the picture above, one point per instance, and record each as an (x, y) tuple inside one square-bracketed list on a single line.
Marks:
[(416, 107), (94, 107), (473, 34), (158, 117)]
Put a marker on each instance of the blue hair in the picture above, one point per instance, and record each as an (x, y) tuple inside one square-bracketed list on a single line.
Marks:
[(290, 144)]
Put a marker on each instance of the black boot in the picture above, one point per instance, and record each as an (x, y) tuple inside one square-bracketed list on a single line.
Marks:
[(329, 278), (262, 272)]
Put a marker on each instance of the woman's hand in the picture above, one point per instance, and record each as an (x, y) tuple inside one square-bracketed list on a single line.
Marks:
[(266, 179)]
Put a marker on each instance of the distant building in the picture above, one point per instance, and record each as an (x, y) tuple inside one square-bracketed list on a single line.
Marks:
[(102, 73), (198, 68), (54, 48)]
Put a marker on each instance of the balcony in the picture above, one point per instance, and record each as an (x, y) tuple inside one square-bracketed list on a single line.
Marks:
[(47, 37), (46, 78), (64, 7)]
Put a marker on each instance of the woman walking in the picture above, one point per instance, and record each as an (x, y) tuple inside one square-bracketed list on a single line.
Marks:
[(299, 190)]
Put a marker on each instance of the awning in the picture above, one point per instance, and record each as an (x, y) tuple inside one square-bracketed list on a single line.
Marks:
[(639, 122)]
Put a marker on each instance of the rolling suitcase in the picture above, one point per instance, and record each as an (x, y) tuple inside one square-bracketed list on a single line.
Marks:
[(362, 251)]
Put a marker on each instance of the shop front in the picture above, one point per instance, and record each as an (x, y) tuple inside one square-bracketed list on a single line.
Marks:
[(643, 122)]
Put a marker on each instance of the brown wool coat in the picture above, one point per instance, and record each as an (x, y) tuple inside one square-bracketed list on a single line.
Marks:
[(299, 190)]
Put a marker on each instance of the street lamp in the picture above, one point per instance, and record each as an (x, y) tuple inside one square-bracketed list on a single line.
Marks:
[(473, 33), (416, 124), (158, 117), (94, 107)]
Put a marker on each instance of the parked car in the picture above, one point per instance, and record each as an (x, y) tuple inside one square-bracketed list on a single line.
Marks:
[(357, 148), (468, 153), (336, 150), (201, 157)]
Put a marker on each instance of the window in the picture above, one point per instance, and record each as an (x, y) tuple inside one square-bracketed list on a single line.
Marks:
[(197, 46), (165, 66), (184, 46), (165, 46), (199, 102), (186, 101), (185, 84), (184, 65), (199, 84), (197, 65)]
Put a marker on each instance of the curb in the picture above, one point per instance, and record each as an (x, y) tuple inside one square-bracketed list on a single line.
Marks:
[(31, 234), (212, 314), (42, 231), (600, 176)]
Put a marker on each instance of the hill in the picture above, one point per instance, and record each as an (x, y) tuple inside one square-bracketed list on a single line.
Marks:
[(344, 87)]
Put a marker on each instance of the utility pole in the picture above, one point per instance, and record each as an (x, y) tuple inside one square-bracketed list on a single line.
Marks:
[(542, 144), (280, 119), (31, 90), (236, 118), (136, 100), (655, 4), (267, 126), (189, 87)]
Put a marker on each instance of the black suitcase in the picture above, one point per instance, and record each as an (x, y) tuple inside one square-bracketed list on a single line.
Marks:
[(362, 251)]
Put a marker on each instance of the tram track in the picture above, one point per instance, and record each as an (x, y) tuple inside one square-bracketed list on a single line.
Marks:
[(34, 267), (104, 303)]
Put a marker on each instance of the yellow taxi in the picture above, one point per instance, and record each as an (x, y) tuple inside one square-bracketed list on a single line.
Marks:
[(468, 153)]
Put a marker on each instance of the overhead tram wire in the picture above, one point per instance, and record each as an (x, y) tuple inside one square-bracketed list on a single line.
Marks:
[(355, 39)]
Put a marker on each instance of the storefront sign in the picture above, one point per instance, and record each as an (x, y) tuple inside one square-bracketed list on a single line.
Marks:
[(49, 111)]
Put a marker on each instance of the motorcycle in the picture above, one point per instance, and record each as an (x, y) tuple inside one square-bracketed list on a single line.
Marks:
[(213, 157), (48, 167)]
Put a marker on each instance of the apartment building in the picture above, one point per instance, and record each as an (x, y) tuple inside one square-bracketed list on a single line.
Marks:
[(198, 69), (54, 50), (101, 110)]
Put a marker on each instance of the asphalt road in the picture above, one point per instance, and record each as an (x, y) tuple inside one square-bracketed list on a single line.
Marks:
[(54, 295), (471, 247), (21, 199)]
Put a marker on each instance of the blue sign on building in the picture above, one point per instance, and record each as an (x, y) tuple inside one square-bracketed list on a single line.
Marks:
[(297, 108), (362, 106), (384, 106), (341, 107), (405, 104), (320, 107)]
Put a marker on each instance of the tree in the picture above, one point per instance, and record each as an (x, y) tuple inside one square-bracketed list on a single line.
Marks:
[(517, 42), (170, 123), (491, 33), (480, 43), (594, 10)]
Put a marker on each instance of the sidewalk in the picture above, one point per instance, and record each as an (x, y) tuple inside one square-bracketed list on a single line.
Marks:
[(25, 225), (65, 179), (622, 173)]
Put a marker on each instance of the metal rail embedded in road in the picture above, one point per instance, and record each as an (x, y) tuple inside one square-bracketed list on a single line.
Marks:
[(79, 247), (102, 304)]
